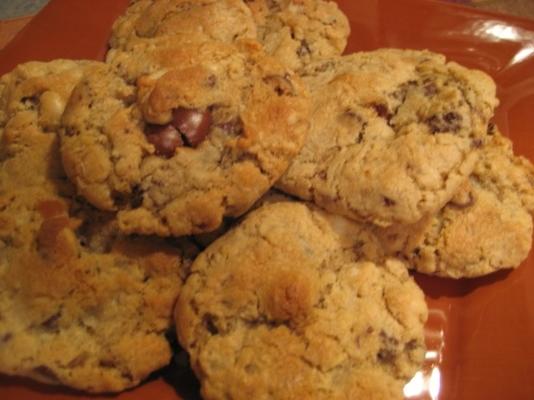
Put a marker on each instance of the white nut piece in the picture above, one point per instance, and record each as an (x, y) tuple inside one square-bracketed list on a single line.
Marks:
[(51, 109)]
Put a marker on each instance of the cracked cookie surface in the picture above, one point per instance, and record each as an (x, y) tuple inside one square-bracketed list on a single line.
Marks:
[(215, 20), (80, 304), (393, 135), (281, 307), (485, 228), (32, 100), (189, 143), (297, 32)]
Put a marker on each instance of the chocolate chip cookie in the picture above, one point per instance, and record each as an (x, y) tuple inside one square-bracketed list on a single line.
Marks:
[(394, 133), (281, 307), (189, 143), (149, 26), (32, 99), (204, 20), (297, 32), (80, 304), (486, 227)]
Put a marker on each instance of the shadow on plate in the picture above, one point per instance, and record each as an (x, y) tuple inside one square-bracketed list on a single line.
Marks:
[(435, 287)]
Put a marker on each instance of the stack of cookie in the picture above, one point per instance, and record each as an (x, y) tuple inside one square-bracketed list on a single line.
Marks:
[(137, 202)]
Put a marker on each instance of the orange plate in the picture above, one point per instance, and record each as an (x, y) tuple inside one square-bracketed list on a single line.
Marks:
[(480, 331)]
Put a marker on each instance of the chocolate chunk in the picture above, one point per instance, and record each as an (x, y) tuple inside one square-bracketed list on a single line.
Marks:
[(386, 355), (361, 133), (430, 89), (192, 123), (51, 323), (188, 126), (70, 131), (165, 139), (412, 345), (452, 118), (434, 124), (136, 197), (107, 363), (209, 322), (477, 143), (389, 202), (7, 337), (358, 246), (304, 49), (211, 81), (120, 199), (281, 85), (382, 111), (449, 122), (132, 199)]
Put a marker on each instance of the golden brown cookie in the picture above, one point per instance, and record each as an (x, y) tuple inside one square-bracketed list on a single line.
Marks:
[(394, 133), (486, 227), (80, 304), (32, 100), (297, 32), (201, 20), (190, 143), (282, 307)]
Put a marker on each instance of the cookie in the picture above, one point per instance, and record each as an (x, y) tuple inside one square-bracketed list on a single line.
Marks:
[(207, 20), (190, 143), (32, 100), (163, 53), (297, 32), (394, 133), (281, 307), (293, 31), (88, 312), (486, 227), (80, 304)]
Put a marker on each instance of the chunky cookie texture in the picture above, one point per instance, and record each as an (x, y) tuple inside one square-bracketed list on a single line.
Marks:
[(190, 142), (294, 32), (281, 307), (394, 133), (486, 227), (32, 99), (80, 304), (208, 20), (297, 32)]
